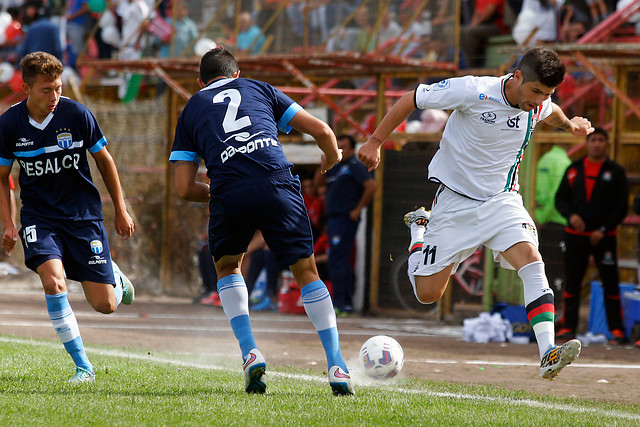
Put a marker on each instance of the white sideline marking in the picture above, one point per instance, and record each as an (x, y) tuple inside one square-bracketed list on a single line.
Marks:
[(504, 363), (506, 401), (223, 329)]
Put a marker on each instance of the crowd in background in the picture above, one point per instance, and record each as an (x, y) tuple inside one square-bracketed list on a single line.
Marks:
[(130, 29)]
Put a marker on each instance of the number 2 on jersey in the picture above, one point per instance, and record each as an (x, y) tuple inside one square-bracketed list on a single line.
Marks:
[(231, 122), (428, 250)]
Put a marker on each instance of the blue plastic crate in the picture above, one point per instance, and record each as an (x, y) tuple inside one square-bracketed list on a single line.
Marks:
[(598, 317), (631, 309)]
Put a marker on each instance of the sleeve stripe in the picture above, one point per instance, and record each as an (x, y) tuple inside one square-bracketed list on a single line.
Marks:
[(5, 162), (98, 145), (283, 124), (188, 156)]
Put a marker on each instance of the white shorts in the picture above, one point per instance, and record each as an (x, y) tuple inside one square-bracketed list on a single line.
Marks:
[(459, 226)]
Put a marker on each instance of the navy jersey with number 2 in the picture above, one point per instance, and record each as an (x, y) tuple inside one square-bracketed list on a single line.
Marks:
[(233, 125)]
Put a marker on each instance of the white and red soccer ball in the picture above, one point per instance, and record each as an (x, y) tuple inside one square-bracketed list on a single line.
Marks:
[(381, 357)]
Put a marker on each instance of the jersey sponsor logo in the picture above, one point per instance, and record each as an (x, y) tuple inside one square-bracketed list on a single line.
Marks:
[(513, 122), (96, 260), (442, 85), (489, 117), (50, 166), (483, 97), (96, 247), (249, 147), (243, 136), (64, 140), (24, 142)]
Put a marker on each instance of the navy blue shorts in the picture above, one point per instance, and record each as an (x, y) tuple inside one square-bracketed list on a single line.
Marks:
[(82, 246), (273, 205)]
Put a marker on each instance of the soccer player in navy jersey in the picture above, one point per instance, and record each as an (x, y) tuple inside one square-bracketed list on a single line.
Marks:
[(62, 231), (232, 123)]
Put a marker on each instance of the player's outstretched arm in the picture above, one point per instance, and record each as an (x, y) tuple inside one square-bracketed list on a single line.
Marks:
[(187, 187), (578, 126), (322, 133), (9, 230), (123, 223), (369, 153)]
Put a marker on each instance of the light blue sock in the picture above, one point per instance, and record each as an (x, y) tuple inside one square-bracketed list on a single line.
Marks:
[(319, 308), (66, 326), (235, 302)]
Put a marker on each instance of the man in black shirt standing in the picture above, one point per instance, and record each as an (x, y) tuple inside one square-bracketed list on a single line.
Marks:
[(593, 196)]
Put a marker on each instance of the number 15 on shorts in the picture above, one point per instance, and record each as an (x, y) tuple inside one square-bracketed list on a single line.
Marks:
[(29, 235), (429, 254)]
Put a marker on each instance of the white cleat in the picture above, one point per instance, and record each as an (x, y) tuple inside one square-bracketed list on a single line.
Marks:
[(340, 382), (83, 376), (254, 369), (557, 357), (419, 217)]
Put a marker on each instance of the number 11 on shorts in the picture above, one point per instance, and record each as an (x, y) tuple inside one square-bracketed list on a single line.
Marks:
[(428, 250)]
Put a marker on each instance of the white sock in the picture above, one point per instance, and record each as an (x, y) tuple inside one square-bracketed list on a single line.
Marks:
[(412, 265), (538, 300), (417, 235), (234, 296)]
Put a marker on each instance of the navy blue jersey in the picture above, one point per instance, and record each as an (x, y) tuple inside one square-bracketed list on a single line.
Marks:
[(55, 180), (233, 125), (344, 186)]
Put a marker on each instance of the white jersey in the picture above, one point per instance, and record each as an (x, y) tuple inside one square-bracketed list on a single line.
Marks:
[(484, 140)]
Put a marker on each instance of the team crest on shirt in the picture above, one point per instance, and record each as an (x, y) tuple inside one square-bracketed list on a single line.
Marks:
[(64, 140), (441, 85), (96, 247), (530, 227)]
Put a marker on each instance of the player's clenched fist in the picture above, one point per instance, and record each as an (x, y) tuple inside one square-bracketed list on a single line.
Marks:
[(9, 239), (369, 154)]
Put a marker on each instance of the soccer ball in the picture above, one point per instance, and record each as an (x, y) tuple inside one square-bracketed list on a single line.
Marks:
[(381, 357)]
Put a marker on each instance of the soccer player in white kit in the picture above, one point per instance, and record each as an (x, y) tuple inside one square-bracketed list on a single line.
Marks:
[(478, 202)]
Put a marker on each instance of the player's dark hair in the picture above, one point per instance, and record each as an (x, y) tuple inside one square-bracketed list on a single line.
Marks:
[(217, 62), (40, 63), (352, 141), (599, 131), (542, 65)]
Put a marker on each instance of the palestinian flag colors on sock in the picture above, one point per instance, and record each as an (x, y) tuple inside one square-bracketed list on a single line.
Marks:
[(541, 310), (416, 247)]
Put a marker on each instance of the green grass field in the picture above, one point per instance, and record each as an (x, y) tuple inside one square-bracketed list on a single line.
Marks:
[(138, 388)]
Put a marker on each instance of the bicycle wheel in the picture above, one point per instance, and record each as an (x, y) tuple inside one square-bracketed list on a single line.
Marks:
[(404, 291)]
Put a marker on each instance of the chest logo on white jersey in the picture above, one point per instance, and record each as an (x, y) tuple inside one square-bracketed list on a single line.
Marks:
[(513, 122), (489, 117), (64, 140), (483, 97)]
